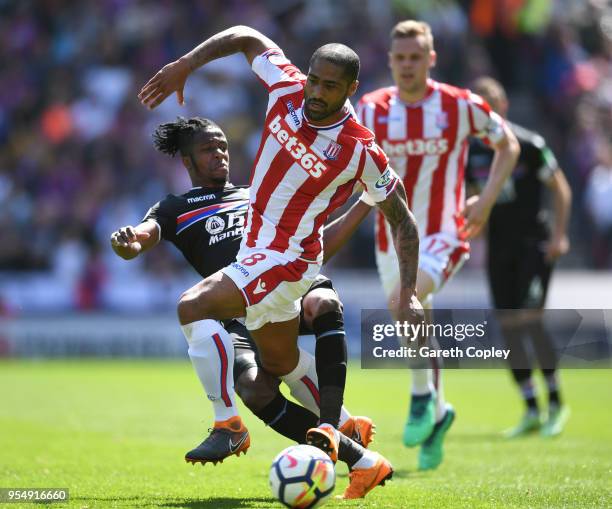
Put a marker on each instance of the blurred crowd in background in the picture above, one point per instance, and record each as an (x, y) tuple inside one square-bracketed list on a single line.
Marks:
[(76, 158)]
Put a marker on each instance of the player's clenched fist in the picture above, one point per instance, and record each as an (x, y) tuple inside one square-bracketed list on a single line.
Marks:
[(126, 241), (171, 78)]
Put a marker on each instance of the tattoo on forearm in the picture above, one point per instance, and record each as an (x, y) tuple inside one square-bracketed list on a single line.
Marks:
[(405, 236), (220, 45)]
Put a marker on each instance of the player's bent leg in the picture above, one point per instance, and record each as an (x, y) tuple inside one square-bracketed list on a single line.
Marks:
[(259, 392), (304, 387), (256, 388), (277, 345), (212, 354), (320, 300), (303, 382), (227, 437), (217, 297), (324, 309)]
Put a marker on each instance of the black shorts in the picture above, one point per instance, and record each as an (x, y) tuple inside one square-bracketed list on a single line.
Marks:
[(246, 355), (519, 275)]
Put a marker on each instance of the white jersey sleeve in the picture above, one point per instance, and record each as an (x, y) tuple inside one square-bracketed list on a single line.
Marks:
[(485, 123), (275, 70), (378, 178)]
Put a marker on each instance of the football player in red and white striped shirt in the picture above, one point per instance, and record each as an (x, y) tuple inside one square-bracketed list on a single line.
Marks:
[(423, 126), (313, 152)]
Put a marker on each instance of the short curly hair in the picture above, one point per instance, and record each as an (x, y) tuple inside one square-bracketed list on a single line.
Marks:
[(178, 136)]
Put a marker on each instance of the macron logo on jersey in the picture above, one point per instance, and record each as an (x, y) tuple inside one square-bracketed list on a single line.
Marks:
[(305, 157), (294, 115), (418, 147), (197, 199)]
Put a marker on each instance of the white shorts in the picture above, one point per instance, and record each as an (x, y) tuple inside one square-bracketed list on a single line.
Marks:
[(271, 285), (440, 255)]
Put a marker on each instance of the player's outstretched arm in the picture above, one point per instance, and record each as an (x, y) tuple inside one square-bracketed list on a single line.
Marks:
[(172, 77), (406, 241), (129, 241), (507, 151), (338, 232)]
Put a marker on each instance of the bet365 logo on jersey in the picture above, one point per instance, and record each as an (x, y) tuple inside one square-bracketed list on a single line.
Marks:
[(305, 157), (417, 147)]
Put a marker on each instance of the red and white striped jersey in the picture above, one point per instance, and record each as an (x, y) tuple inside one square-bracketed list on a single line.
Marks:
[(304, 172), (427, 144)]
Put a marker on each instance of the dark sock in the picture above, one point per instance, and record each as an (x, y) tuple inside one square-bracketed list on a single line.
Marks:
[(554, 399), (293, 421), (521, 375), (532, 404), (529, 395), (330, 358), (349, 451), (287, 418), (554, 396)]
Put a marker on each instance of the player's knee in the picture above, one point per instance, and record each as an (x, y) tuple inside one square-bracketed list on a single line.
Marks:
[(277, 366), (319, 305), (187, 308), (256, 389), (194, 305)]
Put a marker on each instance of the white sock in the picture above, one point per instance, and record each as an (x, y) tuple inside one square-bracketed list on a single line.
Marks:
[(422, 381), (368, 460), (212, 354), (440, 401), (344, 416), (303, 382)]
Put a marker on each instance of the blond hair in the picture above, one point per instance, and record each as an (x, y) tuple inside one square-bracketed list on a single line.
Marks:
[(413, 28)]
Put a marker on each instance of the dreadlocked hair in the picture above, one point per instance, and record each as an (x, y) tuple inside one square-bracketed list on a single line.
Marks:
[(178, 136)]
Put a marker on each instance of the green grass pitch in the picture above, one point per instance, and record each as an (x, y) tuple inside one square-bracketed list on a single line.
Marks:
[(115, 432)]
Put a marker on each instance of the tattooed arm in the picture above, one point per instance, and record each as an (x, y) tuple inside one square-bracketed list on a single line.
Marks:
[(406, 240), (172, 77), (405, 237)]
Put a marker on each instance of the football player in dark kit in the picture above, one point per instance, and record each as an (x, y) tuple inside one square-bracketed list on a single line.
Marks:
[(206, 224), (522, 250)]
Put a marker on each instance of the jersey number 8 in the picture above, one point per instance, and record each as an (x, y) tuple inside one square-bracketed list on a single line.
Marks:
[(252, 260)]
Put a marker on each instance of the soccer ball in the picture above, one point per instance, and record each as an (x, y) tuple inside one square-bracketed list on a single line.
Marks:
[(302, 476)]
